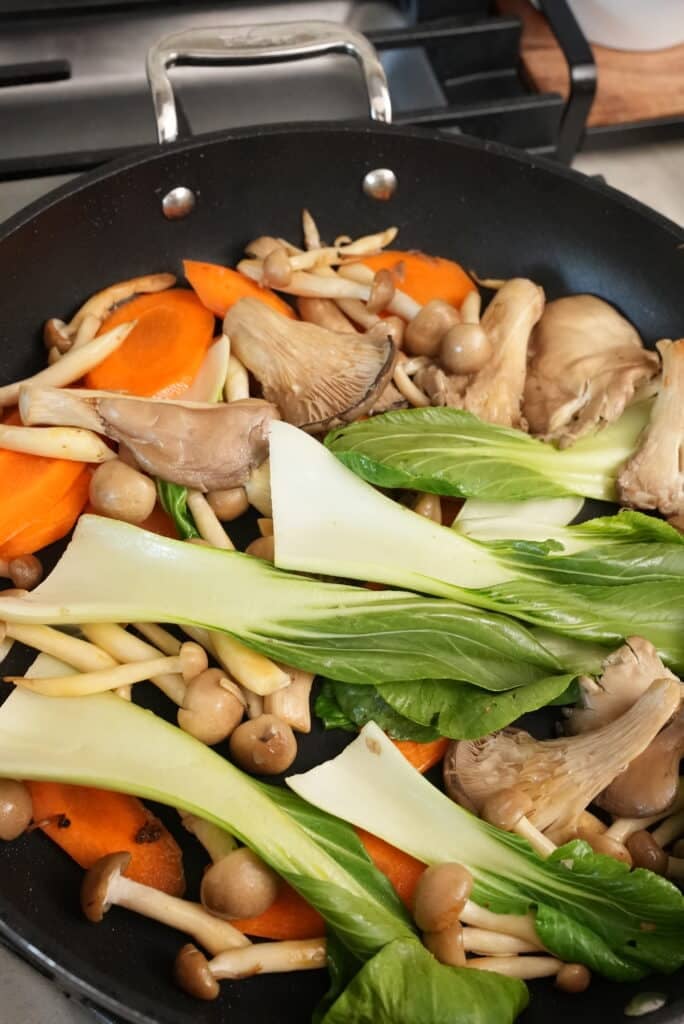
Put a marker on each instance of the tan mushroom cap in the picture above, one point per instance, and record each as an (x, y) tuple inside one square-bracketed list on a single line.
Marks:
[(316, 377), (96, 885), (192, 973)]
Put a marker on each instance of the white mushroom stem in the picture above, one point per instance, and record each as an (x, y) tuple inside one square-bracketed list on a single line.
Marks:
[(623, 828), (326, 313), (87, 329), (470, 308), (669, 830), (199, 635), (253, 702), (675, 867), (401, 304), (214, 934), (252, 670), (207, 522), (100, 304), (410, 391), (270, 958), (6, 645), (312, 238), (332, 255), (72, 365), (525, 967), (159, 637), (70, 443), (125, 647), (258, 489), (357, 311), (520, 925), (217, 842), (100, 681), (292, 703), (80, 654), (237, 381), (486, 943), (540, 843), (310, 285)]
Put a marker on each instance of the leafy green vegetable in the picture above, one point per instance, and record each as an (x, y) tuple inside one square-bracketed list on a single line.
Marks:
[(404, 984), (351, 633), (174, 500), (329, 711), (451, 452), (349, 706), (589, 908)]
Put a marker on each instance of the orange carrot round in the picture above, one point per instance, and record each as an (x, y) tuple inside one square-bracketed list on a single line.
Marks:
[(422, 756), (219, 288), (163, 353), (402, 870), (51, 523), (101, 822), (424, 277), (290, 917)]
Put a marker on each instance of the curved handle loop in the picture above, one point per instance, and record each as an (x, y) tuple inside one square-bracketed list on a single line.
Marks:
[(259, 44)]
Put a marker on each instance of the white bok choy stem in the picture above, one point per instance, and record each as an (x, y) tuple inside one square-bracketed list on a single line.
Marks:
[(106, 742)]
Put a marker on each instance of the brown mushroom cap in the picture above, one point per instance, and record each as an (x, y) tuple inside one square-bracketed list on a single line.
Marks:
[(96, 885), (317, 378), (192, 973)]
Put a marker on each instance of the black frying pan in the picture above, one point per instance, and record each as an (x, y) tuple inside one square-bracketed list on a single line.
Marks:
[(495, 210)]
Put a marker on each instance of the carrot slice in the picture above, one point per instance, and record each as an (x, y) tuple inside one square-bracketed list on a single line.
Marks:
[(424, 277), (219, 288), (290, 917), (159, 522), (101, 822), (402, 870), (163, 353), (52, 524), (422, 756)]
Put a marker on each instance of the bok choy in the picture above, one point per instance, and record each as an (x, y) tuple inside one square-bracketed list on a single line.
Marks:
[(107, 742), (602, 581), (451, 452), (588, 907)]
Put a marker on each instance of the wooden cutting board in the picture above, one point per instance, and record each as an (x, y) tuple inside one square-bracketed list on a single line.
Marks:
[(632, 86)]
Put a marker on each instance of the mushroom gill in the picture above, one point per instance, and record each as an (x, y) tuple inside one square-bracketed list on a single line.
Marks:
[(586, 362), (318, 378)]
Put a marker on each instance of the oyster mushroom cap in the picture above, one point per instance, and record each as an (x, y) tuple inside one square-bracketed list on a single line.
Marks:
[(561, 777), (495, 392), (586, 362), (442, 388), (318, 378), (654, 477), (627, 673)]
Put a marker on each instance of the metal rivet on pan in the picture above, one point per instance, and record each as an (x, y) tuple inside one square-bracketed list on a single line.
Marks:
[(380, 183), (178, 203)]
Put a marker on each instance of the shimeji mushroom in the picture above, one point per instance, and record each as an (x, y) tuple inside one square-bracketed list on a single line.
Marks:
[(586, 363), (199, 977), (207, 522), (654, 477), (622, 828), (25, 571), (203, 446), (121, 492), (264, 745), (72, 443), (105, 885), (16, 809), (213, 707), (239, 886), (124, 646), (228, 503), (291, 704), (317, 378), (559, 777)]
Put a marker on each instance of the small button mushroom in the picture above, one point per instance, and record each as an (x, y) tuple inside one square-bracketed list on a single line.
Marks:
[(193, 660), (424, 333), (262, 246), (16, 809), (430, 506), (25, 571), (229, 503), (239, 886), (646, 853), (191, 973), (382, 292), (213, 707), (464, 349), (441, 894), (198, 976), (573, 978), (447, 945), (277, 272), (262, 547), (57, 335), (610, 847), (121, 492), (264, 745), (105, 885)]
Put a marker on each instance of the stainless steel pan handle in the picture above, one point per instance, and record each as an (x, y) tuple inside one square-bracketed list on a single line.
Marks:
[(260, 44)]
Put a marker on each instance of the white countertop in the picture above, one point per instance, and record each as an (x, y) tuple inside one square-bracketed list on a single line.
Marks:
[(653, 174)]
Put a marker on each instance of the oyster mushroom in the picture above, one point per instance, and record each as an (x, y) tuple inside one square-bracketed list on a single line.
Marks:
[(442, 388), (627, 674), (317, 378), (654, 477), (495, 393), (562, 776), (206, 447), (585, 364)]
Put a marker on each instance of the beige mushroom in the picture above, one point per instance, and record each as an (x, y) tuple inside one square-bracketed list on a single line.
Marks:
[(292, 704), (423, 335), (25, 571), (440, 896), (586, 362), (105, 885), (203, 446), (440, 387), (654, 477), (16, 809), (239, 886), (325, 313), (120, 492), (495, 394), (264, 745), (317, 378), (228, 504), (199, 977), (213, 707)]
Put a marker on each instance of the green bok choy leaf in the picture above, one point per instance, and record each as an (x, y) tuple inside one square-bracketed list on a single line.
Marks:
[(453, 453), (588, 908)]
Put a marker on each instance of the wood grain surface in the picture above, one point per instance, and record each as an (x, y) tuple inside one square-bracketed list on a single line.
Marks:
[(632, 86)]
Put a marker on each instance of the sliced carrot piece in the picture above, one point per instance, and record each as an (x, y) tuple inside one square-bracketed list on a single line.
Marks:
[(402, 870), (424, 277), (52, 524), (290, 917), (161, 523), (101, 822), (423, 756), (219, 288), (163, 353)]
